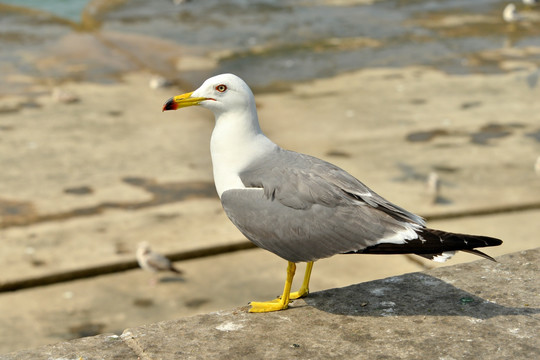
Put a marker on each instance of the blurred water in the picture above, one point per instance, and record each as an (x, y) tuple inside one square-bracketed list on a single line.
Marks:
[(69, 9), (264, 41)]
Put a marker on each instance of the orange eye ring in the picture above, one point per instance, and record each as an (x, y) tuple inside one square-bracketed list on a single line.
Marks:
[(221, 88)]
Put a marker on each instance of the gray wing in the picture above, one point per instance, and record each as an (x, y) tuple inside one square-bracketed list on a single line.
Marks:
[(159, 262), (303, 208)]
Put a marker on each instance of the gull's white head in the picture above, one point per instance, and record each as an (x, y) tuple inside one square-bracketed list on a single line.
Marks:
[(143, 248), (220, 94), (237, 139)]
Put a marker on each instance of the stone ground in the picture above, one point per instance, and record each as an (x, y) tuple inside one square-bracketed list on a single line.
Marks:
[(478, 310), (82, 183)]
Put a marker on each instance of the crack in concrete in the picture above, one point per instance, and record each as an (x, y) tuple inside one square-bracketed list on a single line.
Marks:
[(119, 266)]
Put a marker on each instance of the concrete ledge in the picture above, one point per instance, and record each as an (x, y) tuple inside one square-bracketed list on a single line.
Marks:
[(470, 311), (105, 346)]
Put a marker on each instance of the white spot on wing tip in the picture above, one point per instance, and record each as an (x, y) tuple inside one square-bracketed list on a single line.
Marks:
[(401, 237), (444, 256)]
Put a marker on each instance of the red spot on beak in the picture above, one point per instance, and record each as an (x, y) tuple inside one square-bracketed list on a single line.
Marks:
[(170, 105)]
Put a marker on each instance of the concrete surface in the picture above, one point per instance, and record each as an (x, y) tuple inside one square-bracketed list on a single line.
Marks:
[(478, 310), (111, 303), (89, 170), (82, 183)]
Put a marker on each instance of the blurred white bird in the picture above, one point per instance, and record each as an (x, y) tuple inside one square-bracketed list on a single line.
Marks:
[(158, 82), (510, 14), (433, 185), (152, 261)]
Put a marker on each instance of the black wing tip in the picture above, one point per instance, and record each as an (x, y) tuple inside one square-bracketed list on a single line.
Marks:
[(479, 253), (473, 241), (433, 243)]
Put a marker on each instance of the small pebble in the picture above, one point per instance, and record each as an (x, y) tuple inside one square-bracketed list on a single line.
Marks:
[(65, 97)]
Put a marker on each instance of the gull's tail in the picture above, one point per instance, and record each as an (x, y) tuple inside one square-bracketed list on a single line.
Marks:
[(436, 245)]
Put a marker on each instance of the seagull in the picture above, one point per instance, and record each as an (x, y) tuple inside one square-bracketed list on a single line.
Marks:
[(297, 206), (153, 262), (510, 14)]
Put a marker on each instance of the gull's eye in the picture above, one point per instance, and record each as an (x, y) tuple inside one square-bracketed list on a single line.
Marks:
[(221, 88)]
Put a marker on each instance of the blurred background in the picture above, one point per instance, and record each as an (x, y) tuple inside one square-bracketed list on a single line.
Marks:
[(434, 104)]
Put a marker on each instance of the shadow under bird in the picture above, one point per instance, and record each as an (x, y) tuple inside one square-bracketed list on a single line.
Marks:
[(297, 206)]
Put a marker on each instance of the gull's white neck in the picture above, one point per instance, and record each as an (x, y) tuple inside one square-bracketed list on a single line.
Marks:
[(237, 141)]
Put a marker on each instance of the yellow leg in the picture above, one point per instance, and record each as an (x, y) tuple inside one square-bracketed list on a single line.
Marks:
[(304, 289), (281, 303)]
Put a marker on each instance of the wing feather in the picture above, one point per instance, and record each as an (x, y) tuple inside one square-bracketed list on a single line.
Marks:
[(306, 209)]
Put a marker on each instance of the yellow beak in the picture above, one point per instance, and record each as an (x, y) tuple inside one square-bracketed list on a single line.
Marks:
[(181, 101)]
